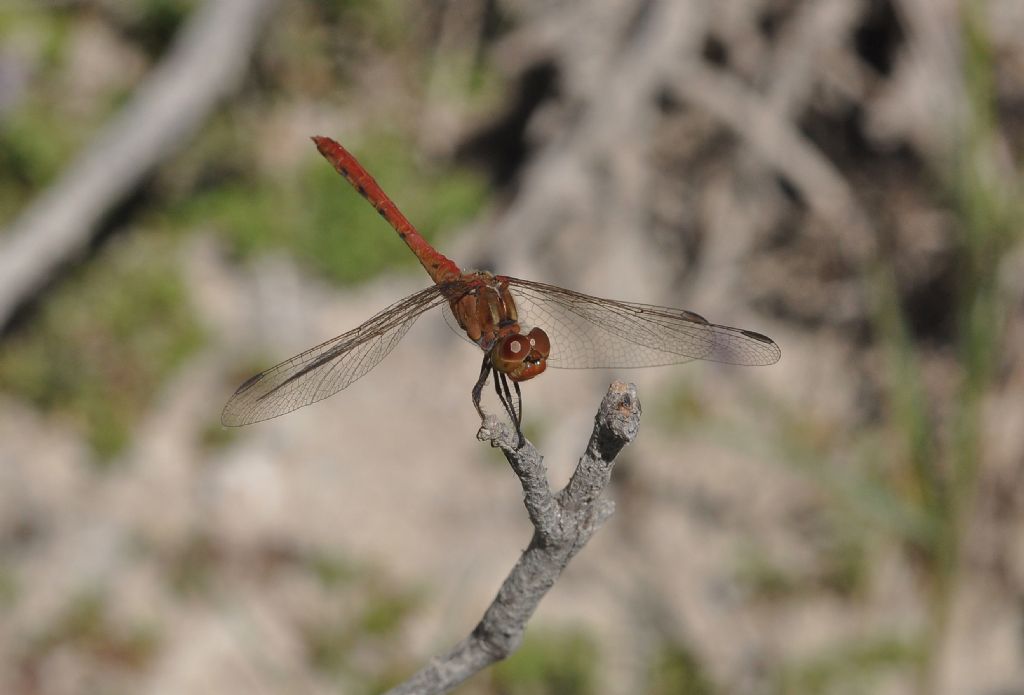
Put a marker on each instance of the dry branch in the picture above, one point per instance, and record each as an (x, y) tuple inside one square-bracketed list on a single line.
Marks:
[(778, 142), (207, 61), (563, 523)]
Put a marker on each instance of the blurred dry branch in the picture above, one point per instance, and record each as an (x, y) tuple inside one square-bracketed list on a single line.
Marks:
[(563, 523), (208, 60), (781, 146), (615, 72)]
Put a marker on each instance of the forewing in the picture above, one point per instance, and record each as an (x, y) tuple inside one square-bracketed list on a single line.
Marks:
[(589, 332), (324, 370)]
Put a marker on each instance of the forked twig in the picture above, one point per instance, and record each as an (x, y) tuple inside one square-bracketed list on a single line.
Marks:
[(563, 523)]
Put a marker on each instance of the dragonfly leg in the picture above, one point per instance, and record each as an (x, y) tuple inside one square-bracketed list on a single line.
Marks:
[(514, 409), (500, 382), (519, 413), (519, 405), (478, 388)]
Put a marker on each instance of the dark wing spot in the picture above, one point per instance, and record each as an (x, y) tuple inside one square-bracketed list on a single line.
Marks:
[(757, 336), (692, 316), (249, 383), (362, 190)]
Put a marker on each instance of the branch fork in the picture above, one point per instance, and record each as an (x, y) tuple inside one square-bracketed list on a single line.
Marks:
[(563, 523)]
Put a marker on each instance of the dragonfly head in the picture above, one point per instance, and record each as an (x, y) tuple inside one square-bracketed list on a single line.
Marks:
[(520, 356)]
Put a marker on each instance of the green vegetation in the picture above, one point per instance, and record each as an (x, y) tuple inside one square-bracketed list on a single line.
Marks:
[(333, 571), (941, 472), (764, 578), (852, 667), (375, 611), (50, 28), (103, 342), (914, 480), (911, 479), (190, 569), (549, 663), (676, 670), (839, 565), (152, 24), (36, 137), (321, 220), (680, 407), (385, 22), (86, 626), (386, 610), (33, 147), (8, 588), (354, 639)]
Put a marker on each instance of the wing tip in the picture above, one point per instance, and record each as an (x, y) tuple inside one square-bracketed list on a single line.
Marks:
[(762, 352), (230, 418), (774, 351)]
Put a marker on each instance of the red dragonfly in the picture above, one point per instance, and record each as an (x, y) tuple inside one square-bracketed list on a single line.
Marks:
[(522, 327)]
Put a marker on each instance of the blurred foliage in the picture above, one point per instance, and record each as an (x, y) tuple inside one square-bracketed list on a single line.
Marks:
[(87, 626), (351, 634), (910, 477), (33, 147), (332, 571), (215, 435), (385, 612), (943, 469), (992, 216), (839, 565), (916, 479), (151, 24), (676, 670), (385, 22), (191, 567), (549, 663), (8, 588), (324, 223), (844, 563), (37, 135), (373, 612), (325, 50), (849, 668), (680, 407), (104, 340), (764, 578), (50, 28)]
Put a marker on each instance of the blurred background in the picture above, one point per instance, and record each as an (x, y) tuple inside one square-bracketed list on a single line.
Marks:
[(841, 175)]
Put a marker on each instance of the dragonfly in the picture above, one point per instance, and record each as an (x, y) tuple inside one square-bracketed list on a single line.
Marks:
[(521, 326)]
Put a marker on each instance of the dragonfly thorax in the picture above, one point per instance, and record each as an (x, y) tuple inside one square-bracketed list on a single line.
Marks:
[(485, 309), (488, 314)]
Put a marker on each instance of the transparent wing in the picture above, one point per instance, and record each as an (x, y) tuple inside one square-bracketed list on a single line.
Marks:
[(590, 332), (453, 323), (324, 370)]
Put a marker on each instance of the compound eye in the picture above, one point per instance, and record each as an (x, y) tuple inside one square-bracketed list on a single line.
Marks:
[(514, 348), (538, 340)]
